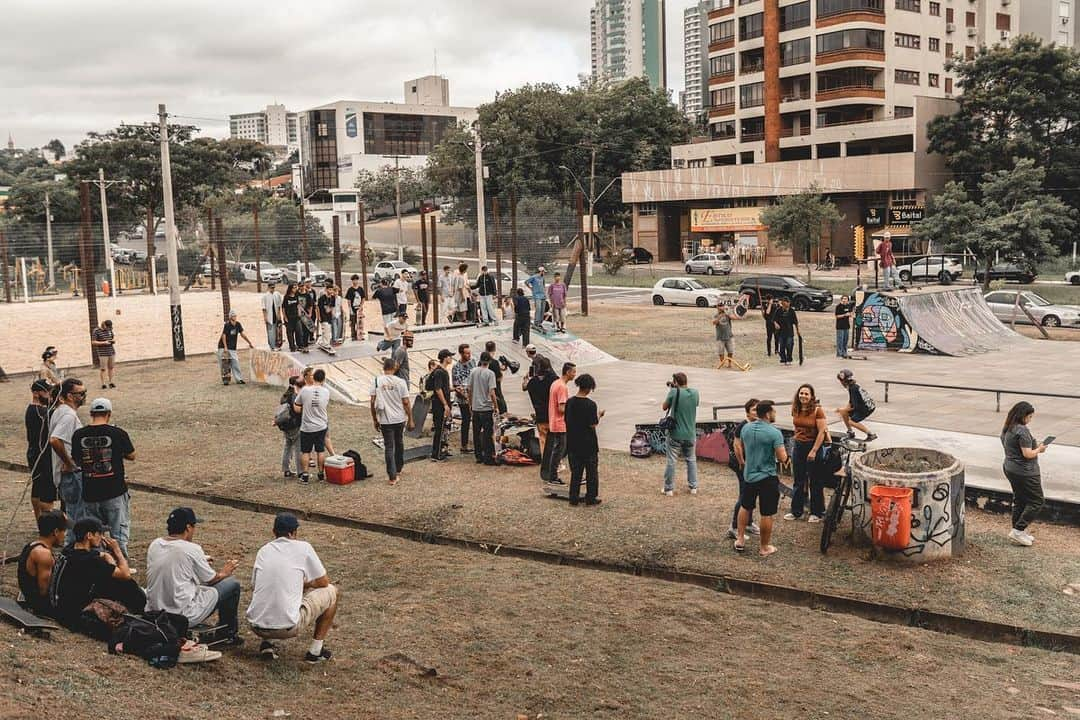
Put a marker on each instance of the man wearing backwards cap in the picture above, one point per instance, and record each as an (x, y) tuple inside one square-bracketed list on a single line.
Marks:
[(290, 592), (99, 450), (180, 579)]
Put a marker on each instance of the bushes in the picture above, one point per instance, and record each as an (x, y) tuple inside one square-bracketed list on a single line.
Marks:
[(613, 262)]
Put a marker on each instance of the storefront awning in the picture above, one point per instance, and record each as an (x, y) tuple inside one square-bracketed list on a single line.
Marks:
[(894, 231)]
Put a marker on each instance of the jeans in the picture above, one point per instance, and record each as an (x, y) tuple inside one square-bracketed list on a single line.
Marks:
[(800, 469), (786, 346), (586, 465), (688, 449), (483, 435), (466, 420), (291, 450), (71, 501), (487, 309), (842, 337), (338, 328), (115, 514), (234, 361), (738, 504), (228, 603), (294, 333), (521, 329), (423, 308), (890, 277), (1027, 499), (538, 310), (271, 335), (390, 345), (393, 448), (438, 428), (554, 451)]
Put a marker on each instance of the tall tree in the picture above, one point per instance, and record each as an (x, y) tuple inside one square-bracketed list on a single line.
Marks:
[(56, 148), (800, 220)]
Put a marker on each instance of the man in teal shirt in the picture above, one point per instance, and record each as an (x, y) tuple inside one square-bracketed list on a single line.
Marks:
[(682, 402), (763, 447)]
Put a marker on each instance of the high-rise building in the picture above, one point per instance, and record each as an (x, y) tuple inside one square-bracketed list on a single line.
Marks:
[(695, 57), (428, 90), (274, 126), (1052, 20), (628, 40)]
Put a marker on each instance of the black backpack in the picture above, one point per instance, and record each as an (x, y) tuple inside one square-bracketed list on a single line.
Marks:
[(155, 637)]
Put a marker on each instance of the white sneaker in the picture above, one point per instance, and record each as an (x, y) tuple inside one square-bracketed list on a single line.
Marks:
[(669, 493), (1019, 537), (753, 529), (789, 516), (197, 654), (693, 491), (1028, 535), (814, 519)]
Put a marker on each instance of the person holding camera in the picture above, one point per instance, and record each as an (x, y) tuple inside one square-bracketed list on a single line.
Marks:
[(104, 342), (681, 405)]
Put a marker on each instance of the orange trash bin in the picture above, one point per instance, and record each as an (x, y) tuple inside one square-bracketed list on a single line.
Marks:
[(105, 288), (890, 513)]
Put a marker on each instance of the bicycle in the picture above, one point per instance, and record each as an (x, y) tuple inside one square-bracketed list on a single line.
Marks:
[(842, 494)]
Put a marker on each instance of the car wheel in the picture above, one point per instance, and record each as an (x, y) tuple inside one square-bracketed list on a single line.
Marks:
[(1051, 321), (751, 299), (1028, 279), (688, 270), (702, 302), (799, 303), (709, 271), (1075, 280), (905, 276), (657, 299)]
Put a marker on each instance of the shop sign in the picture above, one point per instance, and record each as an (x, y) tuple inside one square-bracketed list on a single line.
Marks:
[(875, 217), (906, 215), (725, 220)]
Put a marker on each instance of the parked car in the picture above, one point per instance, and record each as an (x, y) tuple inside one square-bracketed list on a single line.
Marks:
[(266, 270), (295, 273), (710, 264), (637, 255), (428, 206), (1003, 304), (687, 291), (390, 268), (931, 268), (803, 296), (1009, 271), (1073, 277)]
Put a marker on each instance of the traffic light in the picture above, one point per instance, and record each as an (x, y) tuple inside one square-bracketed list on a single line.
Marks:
[(860, 243)]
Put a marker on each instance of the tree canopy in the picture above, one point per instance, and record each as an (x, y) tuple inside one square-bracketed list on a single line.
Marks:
[(799, 220)]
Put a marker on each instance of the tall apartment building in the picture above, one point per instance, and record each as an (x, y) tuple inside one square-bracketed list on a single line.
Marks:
[(695, 57), (274, 126), (628, 40), (1052, 20)]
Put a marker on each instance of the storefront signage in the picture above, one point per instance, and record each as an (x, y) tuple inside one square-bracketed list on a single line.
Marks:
[(906, 215), (875, 217), (725, 220)]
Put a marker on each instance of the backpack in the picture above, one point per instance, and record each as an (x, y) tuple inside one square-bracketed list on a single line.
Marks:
[(360, 470), (155, 637), (729, 435), (284, 419), (867, 401), (639, 445)]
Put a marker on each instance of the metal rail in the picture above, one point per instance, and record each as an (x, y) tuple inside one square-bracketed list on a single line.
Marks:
[(998, 392)]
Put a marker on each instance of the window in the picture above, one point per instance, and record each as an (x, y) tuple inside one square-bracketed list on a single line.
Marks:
[(1003, 21), (752, 26), (969, 19), (851, 39), (396, 134), (752, 95), (1065, 9), (934, 44), (723, 65), (903, 111), (949, 15), (912, 5), (835, 7), (647, 209), (907, 77), (698, 163), (722, 32), (795, 16), (795, 52), (948, 86), (746, 158), (948, 50), (752, 61), (903, 197), (933, 79), (723, 130), (904, 40), (935, 9), (722, 97), (969, 52)]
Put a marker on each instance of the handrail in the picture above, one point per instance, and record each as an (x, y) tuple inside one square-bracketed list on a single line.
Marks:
[(717, 408), (998, 392)]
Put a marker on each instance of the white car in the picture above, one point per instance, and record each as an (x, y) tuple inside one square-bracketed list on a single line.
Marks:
[(687, 291), (268, 272), (296, 272), (930, 268), (389, 268), (710, 264), (1003, 303), (1073, 277)]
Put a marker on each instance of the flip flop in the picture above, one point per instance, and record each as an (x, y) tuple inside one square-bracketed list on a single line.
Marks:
[(767, 550), (739, 548)]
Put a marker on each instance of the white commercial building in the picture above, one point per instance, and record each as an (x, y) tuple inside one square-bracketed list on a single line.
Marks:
[(274, 126)]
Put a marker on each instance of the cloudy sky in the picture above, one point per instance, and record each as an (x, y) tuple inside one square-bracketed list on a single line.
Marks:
[(68, 67)]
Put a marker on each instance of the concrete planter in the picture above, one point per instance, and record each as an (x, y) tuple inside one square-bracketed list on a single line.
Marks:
[(937, 506)]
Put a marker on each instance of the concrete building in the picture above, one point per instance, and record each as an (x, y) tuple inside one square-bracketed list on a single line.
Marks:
[(428, 90), (695, 57), (274, 126), (1052, 20), (628, 40)]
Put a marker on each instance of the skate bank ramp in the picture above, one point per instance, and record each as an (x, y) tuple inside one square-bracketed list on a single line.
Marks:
[(935, 321)]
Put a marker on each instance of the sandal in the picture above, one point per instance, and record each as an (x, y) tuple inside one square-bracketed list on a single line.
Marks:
[(739, 548), (392, 482)]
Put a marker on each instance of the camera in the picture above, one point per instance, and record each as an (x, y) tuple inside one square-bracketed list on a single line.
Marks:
[(670, 383), (512, 365)]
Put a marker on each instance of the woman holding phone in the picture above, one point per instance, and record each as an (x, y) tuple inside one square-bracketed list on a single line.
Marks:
[(1021, 468)]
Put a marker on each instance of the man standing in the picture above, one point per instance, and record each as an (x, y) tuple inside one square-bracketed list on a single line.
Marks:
[(582, 447), (36, 562), (786, 325), (497, 368), (459, 288), (104, 342), (311, 403), (487, 290), (460, 378), (325, 306), (422, 291), (355, 297), (522, 311), (391, 413), (539, 294), (38, 455), (557, 296), (401, 288), (310, 312), (100, 449), (401, 356), (180, 579), (387, 301), (446, 281), (844, 313), (290, 592), (438, 384), (272, 315), (62, 425), (227, 344), (763, 447), (482, 403), (890, 276), (538, 384), (681, 404), (555, 448)]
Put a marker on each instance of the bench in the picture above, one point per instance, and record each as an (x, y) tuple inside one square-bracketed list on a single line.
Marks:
[(998, 392)]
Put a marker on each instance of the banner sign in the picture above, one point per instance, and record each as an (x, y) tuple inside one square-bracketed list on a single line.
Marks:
[(875, 217), (906, 215), (726, 220)]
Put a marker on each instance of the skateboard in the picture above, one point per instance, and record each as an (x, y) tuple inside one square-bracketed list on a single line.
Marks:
[(421, 406), (326, 349), (29, 622), (226, 367)]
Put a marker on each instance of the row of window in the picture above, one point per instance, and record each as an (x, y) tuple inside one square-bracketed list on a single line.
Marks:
[(753, 94)]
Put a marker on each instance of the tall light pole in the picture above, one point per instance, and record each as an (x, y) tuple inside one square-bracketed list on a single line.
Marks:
[(478, 148), (102, 183), (592, 196), (48, 241), (175, 315), (397, 203)]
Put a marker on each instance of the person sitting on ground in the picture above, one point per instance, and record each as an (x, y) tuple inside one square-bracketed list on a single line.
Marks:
[(36, 562), (84, 573), (180, 579), (290, 592), (858, 409)]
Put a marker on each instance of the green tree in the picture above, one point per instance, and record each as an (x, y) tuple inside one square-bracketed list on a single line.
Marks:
[(544, 225), (800, 220), (378, 189), (56, 149), (1014, 217)]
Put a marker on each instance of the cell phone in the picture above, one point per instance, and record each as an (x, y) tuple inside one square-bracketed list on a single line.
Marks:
[(1049, 439)]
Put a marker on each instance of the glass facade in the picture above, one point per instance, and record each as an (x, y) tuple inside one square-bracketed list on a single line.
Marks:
[(318, 144), (392, 134)]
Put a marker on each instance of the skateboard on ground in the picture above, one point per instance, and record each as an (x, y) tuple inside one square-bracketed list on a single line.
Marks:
[(39, 627), (226, 367)]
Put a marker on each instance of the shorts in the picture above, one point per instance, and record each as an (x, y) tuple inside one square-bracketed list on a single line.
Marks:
[(315, 603), (859, 415), (725, 347), (313, 441), (42, 487), (763, 493)]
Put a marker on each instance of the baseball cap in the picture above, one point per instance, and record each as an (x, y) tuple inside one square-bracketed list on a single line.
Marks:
[(845, 374), (101, 405), (540, 269), (444, 353), (40, 386), (232, 313), (285, 523), (180, 518), (529, 347)]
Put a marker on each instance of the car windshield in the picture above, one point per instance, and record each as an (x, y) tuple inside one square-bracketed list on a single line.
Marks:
[(400, 264), (694, 285), (266, 266), (1036, 299), (793, 282)]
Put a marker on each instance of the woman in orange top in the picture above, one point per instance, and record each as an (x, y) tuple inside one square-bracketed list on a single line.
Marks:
[(811, 432)]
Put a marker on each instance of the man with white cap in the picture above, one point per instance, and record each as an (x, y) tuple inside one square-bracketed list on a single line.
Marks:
[(539, 294), (227, 344), (99, 450), (890, 276)]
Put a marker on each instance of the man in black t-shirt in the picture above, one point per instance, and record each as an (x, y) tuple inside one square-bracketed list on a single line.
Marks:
[(387, 298), (538, 385), (438, 384), (36, 419), (422, 289), (582, 448), (85, 572), (227, 344), (786, 325), (355, 296), (290, 307), (843, 326), (100, 449)]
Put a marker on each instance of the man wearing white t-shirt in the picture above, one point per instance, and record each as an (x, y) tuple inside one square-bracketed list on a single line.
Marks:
[(391, 413), (311, 403), (180, 579), (290, 592), (62, 425)]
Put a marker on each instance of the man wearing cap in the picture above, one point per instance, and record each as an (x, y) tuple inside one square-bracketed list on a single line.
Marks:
[(522, 311), (104, 343), (227, 344), (290, 592), (38, 455), (539, 294), (890, 276), (272, 315), (180, 579), (401, 356), (487, 289), (438, 384), (401, 288), (62, 425), (100, 449), (354, 298)]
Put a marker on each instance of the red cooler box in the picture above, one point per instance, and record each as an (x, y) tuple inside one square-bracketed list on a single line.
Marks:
[(340, 470)]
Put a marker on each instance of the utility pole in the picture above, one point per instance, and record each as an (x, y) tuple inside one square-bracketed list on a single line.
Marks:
[(102, 183), (258, 253), (226, 303), (435, 263), (86, 257), (581, 260), (397, 202), (513, 242), (48, 241), (175, 314), (592, 207), (363, 249), (498, 247), (481, 219), (423, 241)]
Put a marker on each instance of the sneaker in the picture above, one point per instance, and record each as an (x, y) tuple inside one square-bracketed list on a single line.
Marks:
[(288, 473), (267, 650), (669, 493), (322, 476), (575, 502), (197, 654), (792, 516), (594, 501), (1019, 537), (315, 659), (753, 529), (870, 437), (693, 491), (112, 385), (814, 519), (851, 434), (103, 387), (305, 478), (241, 382), (1028, 535)]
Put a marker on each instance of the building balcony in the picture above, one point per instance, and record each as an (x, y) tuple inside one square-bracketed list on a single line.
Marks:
[(871, 11), (748, 68), (794, 94), (722, 12), (794, 132), (824, 123), (753, 137), (722, 78), (851, 91), (849, 54), (722, 44), (718, 111)]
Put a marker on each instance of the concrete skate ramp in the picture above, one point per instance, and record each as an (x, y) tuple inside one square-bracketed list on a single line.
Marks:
[(937, 321)]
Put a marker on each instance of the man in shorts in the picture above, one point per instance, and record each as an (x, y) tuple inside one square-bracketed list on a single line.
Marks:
[(311, 403), (104, 343), (763, 447), (290, 592)]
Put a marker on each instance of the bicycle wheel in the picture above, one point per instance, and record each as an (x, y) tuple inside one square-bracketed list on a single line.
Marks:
[(834, 512)]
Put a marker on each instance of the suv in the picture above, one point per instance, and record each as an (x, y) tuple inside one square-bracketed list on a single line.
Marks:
[(709, 263), (295, 273), (1016, 271), (389, 268), (268, 272), (635, 255), (803, 296), (931, 268)]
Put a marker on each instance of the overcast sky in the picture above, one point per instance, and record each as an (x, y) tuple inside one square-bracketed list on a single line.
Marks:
[(68, 67)]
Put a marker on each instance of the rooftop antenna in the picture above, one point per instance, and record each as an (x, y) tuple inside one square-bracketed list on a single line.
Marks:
[(436, 62)]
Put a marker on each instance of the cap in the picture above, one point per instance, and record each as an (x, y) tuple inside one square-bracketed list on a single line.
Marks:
[(100, 405), (40, 386), (444, 353), (285, 523), (540, 269), (180, 518), (232, 313), (845, 374), (530, 347)]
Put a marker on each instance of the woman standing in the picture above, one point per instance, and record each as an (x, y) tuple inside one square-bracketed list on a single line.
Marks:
[(290, 307), (1021, 467), (811, 432)]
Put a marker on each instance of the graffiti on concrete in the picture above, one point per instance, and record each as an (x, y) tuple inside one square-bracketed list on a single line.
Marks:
[(274, 368), (881, 326)]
